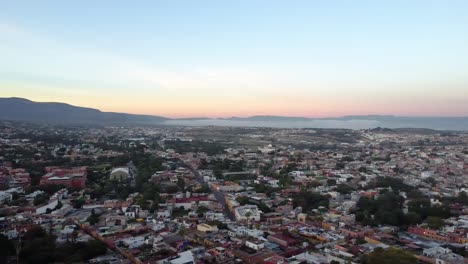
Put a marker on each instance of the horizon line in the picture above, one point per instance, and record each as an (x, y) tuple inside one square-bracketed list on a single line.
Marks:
[(243, 116)]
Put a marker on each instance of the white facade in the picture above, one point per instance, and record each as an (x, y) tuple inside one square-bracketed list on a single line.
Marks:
[(134, 242), (257, 245), (247, 212), (43, 209), (5, 197), (182, 258)]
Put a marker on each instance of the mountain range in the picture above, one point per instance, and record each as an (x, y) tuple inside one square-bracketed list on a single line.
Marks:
[(20, 109)]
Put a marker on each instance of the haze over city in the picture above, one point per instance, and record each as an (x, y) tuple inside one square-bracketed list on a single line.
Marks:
[(239, 58)]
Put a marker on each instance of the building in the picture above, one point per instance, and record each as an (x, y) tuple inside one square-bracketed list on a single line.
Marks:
[(69, 177), (283, 240), (20, 178), (185, 257), (121, 173), (247, 212), (132, 242), (192, 202), (433, 234), (5, 196), (443, 255), (207, 228), (255, 244)]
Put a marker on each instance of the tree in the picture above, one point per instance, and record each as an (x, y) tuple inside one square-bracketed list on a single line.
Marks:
[(434, 222), (344, 189), (412, 218), (310, 200), (424, 208), (181, 184), (93, 218), (6, 248), (38, 246), (389, 256), (386, 210), (202, 209), (331, 182), (40, 199)]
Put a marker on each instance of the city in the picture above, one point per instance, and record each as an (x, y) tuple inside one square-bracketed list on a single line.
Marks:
[(232, 195)]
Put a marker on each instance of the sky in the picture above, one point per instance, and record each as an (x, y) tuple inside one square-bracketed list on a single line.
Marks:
[(239, 58)]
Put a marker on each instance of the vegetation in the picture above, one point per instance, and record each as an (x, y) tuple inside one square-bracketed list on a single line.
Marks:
[(209, 148), (345, 189), (310, 200), (245, 200), (7, 248), (93, 218), (423, 208), (385, 210), (38, 246), (389, 256), (40, 199), (434, 222), (202, 209), (396, 184), (217, 223)]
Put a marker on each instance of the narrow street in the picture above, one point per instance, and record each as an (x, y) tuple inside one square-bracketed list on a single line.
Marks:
[(218, 194)]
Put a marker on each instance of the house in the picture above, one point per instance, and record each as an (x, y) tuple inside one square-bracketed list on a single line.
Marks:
[(116, 220), (207, 228), (189, 202), (185, 257), (133, 211), (255, 244), (133, 242), (20, 178), (272, 181), (443, 255), (283, 240)]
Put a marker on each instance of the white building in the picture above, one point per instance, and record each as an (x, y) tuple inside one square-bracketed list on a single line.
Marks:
[(134, 242), (5, 197), (443, 255), (133, 211), (255, 244), (51, 205), (121, 173), (247, 212), (185, 257)]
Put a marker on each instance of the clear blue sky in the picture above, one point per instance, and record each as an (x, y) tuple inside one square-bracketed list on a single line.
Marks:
[(222, 58)]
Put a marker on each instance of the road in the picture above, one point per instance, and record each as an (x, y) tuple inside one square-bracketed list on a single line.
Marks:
[(218, 194)]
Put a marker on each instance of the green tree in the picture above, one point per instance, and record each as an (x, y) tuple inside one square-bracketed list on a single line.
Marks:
[(202, 209), (331, 182), (435, 222), (344, 189), (310, 200), (93, 218), (181, 184), (389, 256)]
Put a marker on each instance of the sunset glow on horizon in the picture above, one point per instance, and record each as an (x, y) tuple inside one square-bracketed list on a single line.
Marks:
[(242, 58)]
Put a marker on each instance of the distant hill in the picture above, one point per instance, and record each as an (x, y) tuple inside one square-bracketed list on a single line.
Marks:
[(19, 109), (349, 122), (267, 118)]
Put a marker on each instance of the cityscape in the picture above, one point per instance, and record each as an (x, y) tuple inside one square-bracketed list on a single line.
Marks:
[(232, 195), (247, 131)]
